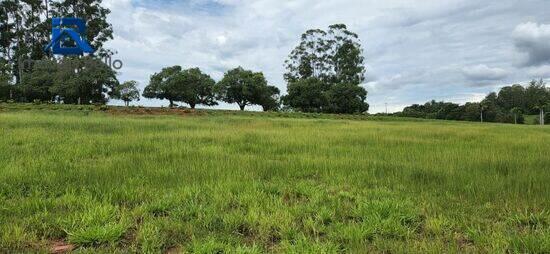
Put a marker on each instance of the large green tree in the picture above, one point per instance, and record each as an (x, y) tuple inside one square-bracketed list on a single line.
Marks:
[(162, 87), (243, 87), (510, 97), (25, 27), (346, 98), (472, 112), (84, 80), (98, 29), (538, 98), (489, 108), (194, 87), (331, 62), (174, 84), (307, 95), (333, 56), (270, 98), (38, 80)]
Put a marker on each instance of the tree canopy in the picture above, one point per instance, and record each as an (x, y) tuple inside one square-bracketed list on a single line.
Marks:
[(127, 92), (190, 86), (195, 87), (83, 80), (506, 106), (244, 87), (25, 28), (324, 72), (161, 85)]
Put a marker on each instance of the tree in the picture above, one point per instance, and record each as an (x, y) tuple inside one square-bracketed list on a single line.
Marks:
[(84, 80), (127, 92), (270, 99), (243, 87), (333, 56), (489, 108), (190, 86), (13, 46), (327, 61), (344, 98), (194, 87), (538, 98), (25, 28), (307, 95), (161, 85), (98, 29), (5, 87), (37, 83), (472, 112), (510, 97), (516, 111), (506, 107)]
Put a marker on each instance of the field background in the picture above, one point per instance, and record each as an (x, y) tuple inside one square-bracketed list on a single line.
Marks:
[(233, 182)]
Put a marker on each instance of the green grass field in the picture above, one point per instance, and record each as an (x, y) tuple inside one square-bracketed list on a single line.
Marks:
[(246, 183)]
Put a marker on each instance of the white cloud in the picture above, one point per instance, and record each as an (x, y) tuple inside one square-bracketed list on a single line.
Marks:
[(540, 71), (483, 72), (533, 40), (415, 50)]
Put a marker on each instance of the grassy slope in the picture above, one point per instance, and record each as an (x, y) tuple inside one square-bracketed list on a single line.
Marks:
[(253, 184)]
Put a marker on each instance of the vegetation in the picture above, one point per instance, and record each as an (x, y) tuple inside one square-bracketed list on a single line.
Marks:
[(325, 71), (327, 64), (189, 86), (127, 92), (25, 28), (245, 88), (508, 106), (253, 183)]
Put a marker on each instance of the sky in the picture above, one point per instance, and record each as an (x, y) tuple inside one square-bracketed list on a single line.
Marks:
[(415, 51)]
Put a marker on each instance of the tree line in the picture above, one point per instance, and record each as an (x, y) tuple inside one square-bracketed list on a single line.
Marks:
[(324, 71), (27, 73), (509, 105), (193, 87)]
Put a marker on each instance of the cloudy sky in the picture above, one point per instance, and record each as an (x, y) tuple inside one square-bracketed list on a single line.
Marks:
[(415, 50)]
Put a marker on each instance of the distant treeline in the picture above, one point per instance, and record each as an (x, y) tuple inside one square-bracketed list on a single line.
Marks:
[(509, 105)]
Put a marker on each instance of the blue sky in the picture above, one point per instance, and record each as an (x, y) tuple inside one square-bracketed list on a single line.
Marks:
[(415, 51)]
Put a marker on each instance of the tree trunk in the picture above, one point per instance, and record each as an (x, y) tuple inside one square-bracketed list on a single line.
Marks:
[(127, 103), (192, 105), (171, 103), (541, 116), (481, 116), (78, 100), (47, 9), (515, 119), (242, 106)]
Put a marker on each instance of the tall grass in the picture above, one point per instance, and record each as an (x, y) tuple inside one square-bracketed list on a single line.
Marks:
[(249, 184)]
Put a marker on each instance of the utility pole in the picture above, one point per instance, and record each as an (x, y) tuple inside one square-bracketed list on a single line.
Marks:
[(386, 108)]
